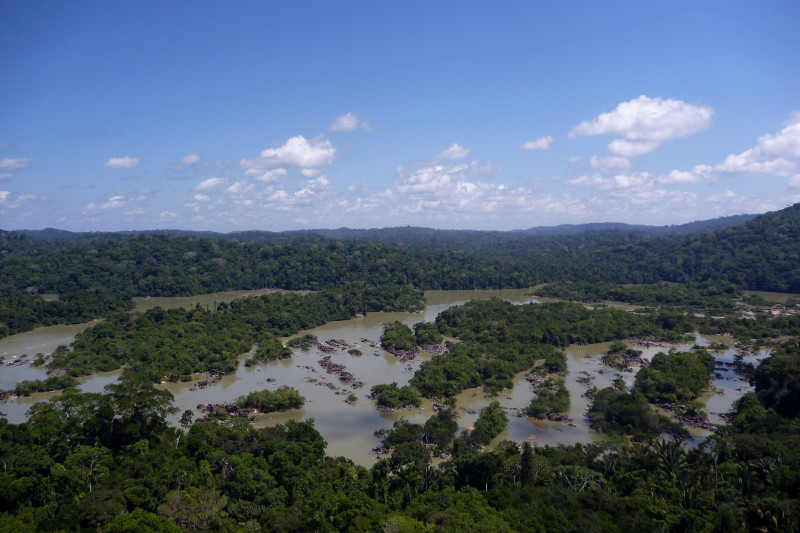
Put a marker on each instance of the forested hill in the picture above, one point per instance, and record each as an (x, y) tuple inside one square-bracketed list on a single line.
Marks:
[(701, 226), (410, 234), (763, 253)]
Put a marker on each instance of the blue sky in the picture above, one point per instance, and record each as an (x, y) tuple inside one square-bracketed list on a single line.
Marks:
[(264, 115)]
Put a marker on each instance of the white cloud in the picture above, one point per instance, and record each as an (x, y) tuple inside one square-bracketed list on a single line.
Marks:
[(697, 174), (112, 203), (10, 201), (240, 187), (312, 189), (296, 152), (10, 165), (610, 163), (267, 177), (210, 183), (122, 162), (190, 159), (349, 122), (455, 151), (202, 198), (442, 179), (542, 143), (777, 154), (650, 119), (618, 182), (625, 148), (187, 161)]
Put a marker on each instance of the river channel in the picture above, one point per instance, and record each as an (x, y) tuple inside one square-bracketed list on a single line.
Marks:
[(348, 428)]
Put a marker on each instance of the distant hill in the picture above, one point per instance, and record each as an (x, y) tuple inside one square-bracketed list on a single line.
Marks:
[(702, 226), (753, 252), (413, 233)]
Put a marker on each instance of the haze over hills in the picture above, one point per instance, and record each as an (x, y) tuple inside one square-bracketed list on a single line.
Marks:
[(414, 232)]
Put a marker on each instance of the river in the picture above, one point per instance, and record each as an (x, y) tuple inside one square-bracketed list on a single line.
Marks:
[(348, 428)]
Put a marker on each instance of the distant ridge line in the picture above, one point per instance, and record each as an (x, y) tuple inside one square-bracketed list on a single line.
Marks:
[(405, 232)]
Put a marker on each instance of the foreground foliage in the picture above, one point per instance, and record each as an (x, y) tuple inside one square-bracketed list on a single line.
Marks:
[(110, 462)]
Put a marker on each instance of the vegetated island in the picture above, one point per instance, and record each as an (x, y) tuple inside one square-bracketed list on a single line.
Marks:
[(109, 461)]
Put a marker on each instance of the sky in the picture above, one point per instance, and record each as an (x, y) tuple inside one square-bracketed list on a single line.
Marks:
[(229, 116)]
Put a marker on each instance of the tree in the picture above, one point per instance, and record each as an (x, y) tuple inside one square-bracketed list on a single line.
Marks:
[(140, 409), (92, 463), (193, 508), (140, 521), (491, 421)]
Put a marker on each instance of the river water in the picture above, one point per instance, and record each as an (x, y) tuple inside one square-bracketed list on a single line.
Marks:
[(348, 428)]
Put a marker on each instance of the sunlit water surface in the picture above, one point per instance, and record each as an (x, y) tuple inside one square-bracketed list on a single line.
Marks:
[(347, 428)]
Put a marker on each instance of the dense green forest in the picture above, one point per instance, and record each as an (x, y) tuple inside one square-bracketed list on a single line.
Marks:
[(110, 462), (760, 254), (176, 343)]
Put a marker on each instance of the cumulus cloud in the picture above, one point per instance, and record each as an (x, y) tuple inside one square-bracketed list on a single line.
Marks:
[(652, 119), (210, 183), (443, 179), (190, 159), (296, 152), (312, 188), (542, 143), (349, 122), (626, 148), (269, 176), (112, 203), (202, 198), (187, 161), (121, 198), (645, 122), (462, 195), (697, 174), (455, 151), (618, 182), (122, 162), (777, 154)]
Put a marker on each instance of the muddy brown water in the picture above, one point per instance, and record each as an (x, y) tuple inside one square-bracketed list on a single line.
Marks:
[(347, 428)]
